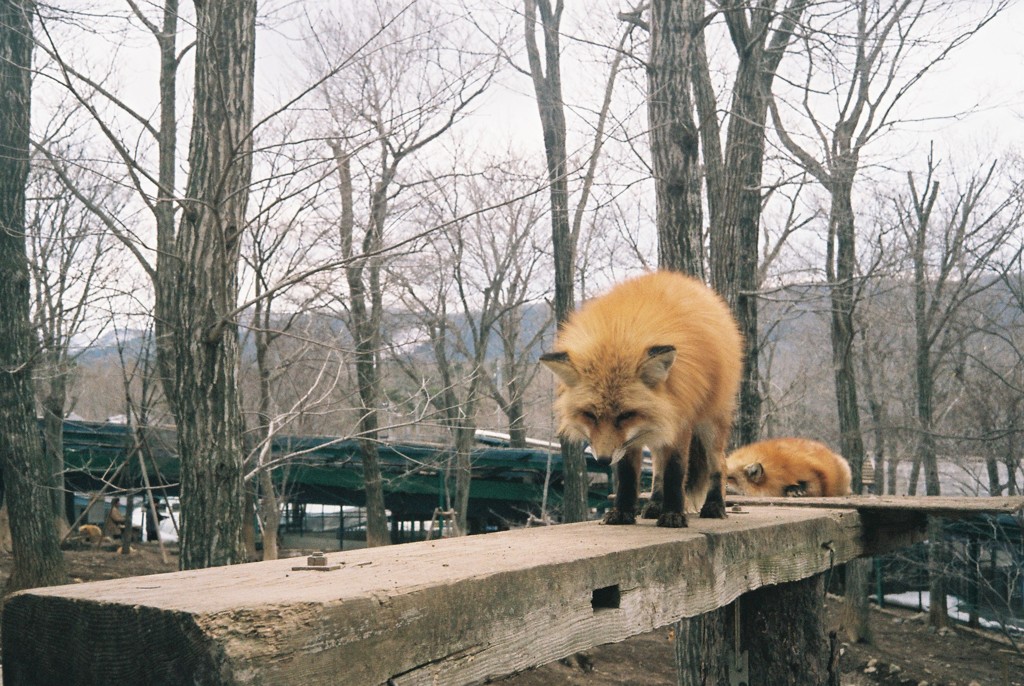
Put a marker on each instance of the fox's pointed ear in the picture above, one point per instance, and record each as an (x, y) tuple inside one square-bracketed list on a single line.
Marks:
[(562, 366), (654, 369), (754, 472)]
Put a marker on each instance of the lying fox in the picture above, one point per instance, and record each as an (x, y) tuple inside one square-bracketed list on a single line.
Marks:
[(91, 534), (787, 467), (655, 361)]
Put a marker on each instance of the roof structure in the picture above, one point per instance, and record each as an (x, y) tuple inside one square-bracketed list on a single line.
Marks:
[(507, 482)]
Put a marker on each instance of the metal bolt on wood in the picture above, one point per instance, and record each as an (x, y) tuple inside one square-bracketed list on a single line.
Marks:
[(317, 562)]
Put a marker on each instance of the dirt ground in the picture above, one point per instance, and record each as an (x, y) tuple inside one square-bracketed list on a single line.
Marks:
[(904, 651)]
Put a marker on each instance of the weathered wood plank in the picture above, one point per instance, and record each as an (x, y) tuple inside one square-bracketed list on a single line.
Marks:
[(456, 611), (944, 506)]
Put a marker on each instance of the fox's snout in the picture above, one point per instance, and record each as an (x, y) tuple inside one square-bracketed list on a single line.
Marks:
[(606, 453)]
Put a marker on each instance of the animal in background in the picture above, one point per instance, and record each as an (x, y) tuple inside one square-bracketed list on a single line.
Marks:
[(787, 467), (113, 525), (655, 361), (91, 534)]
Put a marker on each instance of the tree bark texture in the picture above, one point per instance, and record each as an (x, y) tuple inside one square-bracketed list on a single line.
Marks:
[(54, 402), (464, 439), (879, 422), (367, 348), (710, 131), (939, 558), (734, 238), (700, 645), (547, 83), (267, 501), (923, 369), (783, 631), (516, 413), (840, 271), (363, 278), (37, 557), (675, 146), (856, 614), (209, 418), (167, 259)]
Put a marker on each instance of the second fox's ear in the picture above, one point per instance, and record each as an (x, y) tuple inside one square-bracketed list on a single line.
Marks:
[(562, 366), (654, 369), (754, 472)]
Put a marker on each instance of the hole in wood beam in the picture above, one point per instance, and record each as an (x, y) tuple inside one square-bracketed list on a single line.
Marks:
[(606, 598)]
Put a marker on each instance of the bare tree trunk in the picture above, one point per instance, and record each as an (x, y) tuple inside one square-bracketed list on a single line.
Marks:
[(925, 422), (783, 628), (209, 418), (37, 557), (674, 141), (268, 504), (547, 83), (369, 384), (701, 648), (893, 472), (53, 404), (463, 475), (938, 559), (856, 613), (879, 419), (167, 259), (734, 237), (841, 271), (363, 277), (270, 515), (915, 473), (249, 507), (923, 369), (1012, 463), (710, 131), (516, 412)]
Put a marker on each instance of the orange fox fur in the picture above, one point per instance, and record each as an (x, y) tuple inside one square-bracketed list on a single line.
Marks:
[(787, 467), (655, 361), (91, 533)]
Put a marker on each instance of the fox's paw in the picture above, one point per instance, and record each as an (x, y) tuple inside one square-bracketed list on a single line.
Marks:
[(614, 516), (672, 520), (652, 510), (713, 509)]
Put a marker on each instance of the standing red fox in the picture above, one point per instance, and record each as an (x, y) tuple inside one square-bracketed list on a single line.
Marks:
[(655, 361), (787, 467)]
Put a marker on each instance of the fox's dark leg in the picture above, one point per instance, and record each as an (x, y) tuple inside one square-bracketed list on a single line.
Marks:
[(653, 508), (673, 476), (627, 472), (672, 514), (714, 504)]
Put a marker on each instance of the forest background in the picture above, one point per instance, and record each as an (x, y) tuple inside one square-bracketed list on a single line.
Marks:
[(372, 234)]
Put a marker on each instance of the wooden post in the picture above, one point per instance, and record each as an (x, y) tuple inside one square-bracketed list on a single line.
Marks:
[(856, 613), (783, 632), (781, 640), (700, 649)]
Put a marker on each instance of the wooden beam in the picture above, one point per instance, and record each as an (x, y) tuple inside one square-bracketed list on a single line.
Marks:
[(952, 507), (454, 611)]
